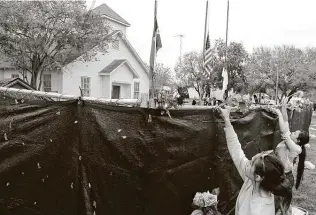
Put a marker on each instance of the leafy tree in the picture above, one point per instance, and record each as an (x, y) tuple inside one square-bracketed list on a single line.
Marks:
[(258, 71), (236, 59), (38, 36), (189, 71), (162, 76), (296, 68)]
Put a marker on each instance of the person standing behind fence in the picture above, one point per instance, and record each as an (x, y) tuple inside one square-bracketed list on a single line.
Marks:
[(263, 176), (292, 145)]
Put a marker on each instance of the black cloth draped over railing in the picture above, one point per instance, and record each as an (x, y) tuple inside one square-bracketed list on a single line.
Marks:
[(64, 158)]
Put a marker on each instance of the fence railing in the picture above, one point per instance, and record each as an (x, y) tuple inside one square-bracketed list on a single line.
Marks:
[(32, 94), (36, 95)]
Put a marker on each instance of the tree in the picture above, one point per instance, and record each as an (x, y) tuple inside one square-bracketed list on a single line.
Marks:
[(258, 71), (38, 36), (296, 68), (162, 76), (236, 59), (189, 72)]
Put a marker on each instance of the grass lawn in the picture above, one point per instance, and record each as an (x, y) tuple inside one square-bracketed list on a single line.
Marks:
[(305, 196)]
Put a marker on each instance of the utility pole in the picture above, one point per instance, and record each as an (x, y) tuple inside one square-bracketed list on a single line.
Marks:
[(181, 38)]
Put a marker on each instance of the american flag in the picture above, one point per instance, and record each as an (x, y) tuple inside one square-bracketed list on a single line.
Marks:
[(207, 55)]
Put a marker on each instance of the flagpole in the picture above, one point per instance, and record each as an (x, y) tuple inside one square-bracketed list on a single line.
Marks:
[(205, 29), (226, 48), (155, 8), (151, 102), (227, 22), (154, 66), (205, 35)]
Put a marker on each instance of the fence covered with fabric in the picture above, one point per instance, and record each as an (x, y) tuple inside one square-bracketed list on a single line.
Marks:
[(64, 158)]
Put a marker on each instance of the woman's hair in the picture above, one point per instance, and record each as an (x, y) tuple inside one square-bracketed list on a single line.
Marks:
[(302, 139), (274, 180)]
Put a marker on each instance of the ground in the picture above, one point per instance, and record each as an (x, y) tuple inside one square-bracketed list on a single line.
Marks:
[(305, 196)]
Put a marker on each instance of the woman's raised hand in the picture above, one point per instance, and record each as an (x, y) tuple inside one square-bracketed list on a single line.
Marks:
[(276, 111), (224, 112)]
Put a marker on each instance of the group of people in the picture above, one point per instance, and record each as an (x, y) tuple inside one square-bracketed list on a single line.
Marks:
[(268, 178), (208, 102)]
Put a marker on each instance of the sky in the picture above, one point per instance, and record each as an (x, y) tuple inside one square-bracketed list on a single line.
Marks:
[(252, 22)]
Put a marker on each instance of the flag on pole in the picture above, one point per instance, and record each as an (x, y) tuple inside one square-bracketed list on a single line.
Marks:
[(207, 52), (155, 45), (207, 55), (225, 72)]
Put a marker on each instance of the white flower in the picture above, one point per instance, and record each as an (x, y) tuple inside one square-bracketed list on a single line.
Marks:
[(204, 199)]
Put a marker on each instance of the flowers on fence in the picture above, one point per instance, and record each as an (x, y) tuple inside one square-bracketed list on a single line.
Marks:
[(205, 199)]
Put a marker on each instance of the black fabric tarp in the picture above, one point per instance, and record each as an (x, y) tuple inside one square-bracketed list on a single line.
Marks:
[(64, 158)]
